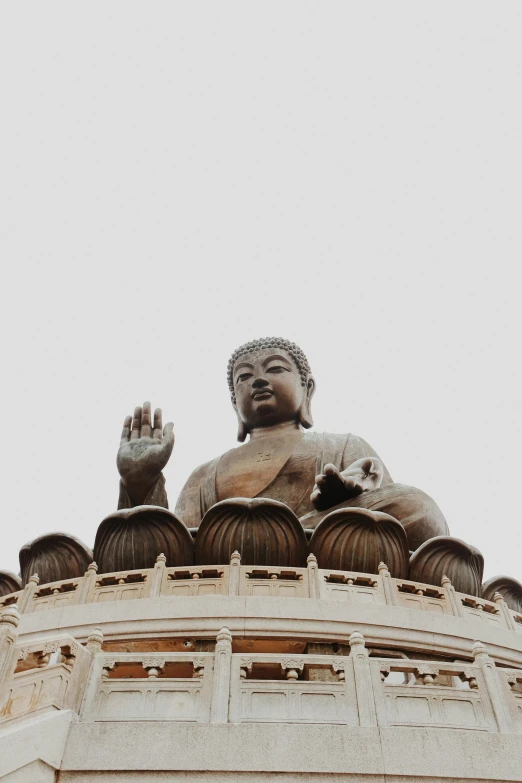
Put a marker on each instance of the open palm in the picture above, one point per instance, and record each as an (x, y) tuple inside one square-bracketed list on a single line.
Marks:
[(145, 448)]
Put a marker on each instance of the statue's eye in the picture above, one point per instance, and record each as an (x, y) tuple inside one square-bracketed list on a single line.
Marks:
[(243, 377), (277, 368)]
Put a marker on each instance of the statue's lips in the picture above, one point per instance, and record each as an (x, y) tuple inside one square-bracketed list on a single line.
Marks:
[(262, 395)]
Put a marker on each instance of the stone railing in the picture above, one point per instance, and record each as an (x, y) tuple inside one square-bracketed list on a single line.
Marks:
[(42, 676), (237, 580), (221, 686)]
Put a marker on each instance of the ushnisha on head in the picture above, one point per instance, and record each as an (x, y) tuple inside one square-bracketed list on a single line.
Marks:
[(270, 383)]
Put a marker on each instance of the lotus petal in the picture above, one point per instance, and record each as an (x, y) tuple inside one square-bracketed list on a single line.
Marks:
[(9, 583), (134, 537), (264, 532), (53, 557), (509, 589), (356, 539), (446, 556)]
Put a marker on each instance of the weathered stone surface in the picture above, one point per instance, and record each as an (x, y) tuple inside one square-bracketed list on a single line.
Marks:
[(53, 557), (133, 538), (462, 563), (9, 583), (354, 539), (263, 531), (509, 589)]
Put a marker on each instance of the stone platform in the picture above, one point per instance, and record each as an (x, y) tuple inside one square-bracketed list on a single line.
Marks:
[(237, 673)]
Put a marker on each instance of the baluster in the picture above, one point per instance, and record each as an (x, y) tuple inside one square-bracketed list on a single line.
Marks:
[(234, 573), (314, 587), (454, 601), (221, 681), (489, 671), (89, 585), (27, 598), (9, 620), (158, 576), (505, 611), (363, 680), (388, 586)]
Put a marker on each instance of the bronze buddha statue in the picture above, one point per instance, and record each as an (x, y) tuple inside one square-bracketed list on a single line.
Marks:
[(271, 387)]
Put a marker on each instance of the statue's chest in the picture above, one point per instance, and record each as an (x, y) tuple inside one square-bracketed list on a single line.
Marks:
[(247, 470)]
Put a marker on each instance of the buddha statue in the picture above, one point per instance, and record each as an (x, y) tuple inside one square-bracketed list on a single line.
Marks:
[(271, 388)]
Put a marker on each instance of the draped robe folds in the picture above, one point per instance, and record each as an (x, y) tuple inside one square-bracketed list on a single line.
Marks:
[(293, 484)]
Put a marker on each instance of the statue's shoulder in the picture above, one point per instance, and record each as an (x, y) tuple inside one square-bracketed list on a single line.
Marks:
[(330, 439), (340, 449), (204, 470)]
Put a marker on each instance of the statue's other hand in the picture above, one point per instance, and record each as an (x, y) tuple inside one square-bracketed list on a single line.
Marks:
[(333, 487), (144, 451)]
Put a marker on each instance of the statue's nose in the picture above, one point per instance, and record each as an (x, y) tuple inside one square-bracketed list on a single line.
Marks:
[(259, 382)]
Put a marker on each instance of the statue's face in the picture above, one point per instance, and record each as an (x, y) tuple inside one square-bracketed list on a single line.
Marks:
[(268, 388)]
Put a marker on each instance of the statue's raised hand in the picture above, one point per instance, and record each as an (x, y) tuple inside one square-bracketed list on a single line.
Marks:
[(144, 451), (333, 486)]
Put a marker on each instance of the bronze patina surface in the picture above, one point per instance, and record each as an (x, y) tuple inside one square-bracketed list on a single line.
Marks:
[(271, 387)]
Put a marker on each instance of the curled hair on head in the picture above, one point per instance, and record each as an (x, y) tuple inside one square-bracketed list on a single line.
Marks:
[(269, 342)]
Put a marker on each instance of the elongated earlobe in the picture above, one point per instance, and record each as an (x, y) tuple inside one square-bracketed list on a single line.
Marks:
[(242, 431), (305, 411)]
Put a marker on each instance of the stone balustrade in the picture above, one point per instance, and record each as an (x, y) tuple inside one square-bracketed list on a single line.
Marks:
[(44, 676), (358, 689), (235, 579)]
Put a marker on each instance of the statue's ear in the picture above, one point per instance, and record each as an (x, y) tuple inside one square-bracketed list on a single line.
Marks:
[(242, 431), (305, 411)]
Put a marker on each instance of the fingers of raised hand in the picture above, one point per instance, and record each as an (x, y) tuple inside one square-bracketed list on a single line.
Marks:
[(136, 424), (125, 433), (168, 437), (146, 428), (158, 424)]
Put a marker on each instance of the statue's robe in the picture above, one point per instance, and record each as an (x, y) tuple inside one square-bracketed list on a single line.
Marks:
[(293, 483)]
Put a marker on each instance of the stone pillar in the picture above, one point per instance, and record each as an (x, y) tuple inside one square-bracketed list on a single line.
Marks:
[(221, 679), (158, 575), (88, 584), (505, 611), (234, 573), (9, 620), (453, 602), (390, 591), (314, 586), (25, 603), (495, 692), (363, 680), (95, 641)]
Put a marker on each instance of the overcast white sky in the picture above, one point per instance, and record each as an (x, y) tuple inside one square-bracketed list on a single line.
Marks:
[(180, 177)]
